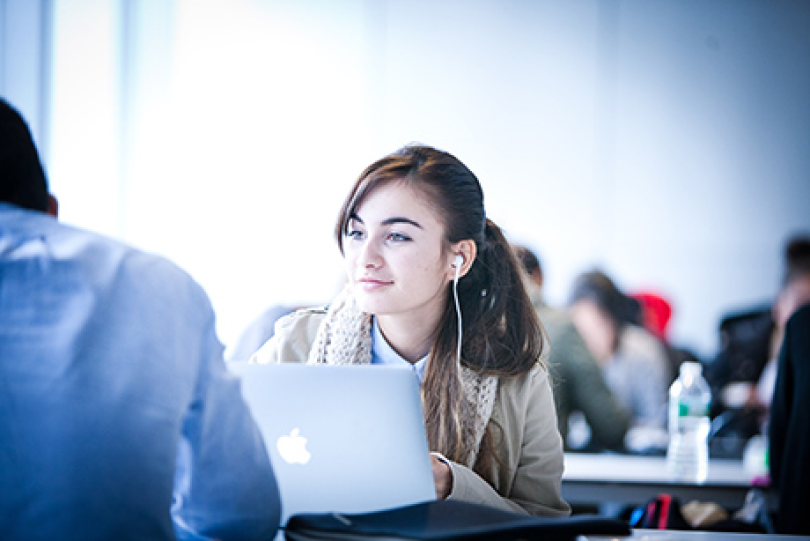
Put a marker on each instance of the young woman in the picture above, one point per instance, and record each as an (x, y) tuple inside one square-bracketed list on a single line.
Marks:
[(413, 226)]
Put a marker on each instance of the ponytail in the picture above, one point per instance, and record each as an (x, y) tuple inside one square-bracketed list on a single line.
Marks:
[(504, 336)]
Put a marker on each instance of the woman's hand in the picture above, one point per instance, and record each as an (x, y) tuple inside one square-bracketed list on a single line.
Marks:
[(442, 477)]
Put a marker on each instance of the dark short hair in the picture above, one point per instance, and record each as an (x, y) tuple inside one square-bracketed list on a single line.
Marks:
[(528, 259), (797, 258), (597, 287), (22, 178)]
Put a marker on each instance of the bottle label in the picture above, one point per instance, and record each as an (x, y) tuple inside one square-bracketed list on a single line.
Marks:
[(692, 410)]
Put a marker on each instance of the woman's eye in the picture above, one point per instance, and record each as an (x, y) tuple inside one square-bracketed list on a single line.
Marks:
[(354, 234), (399, 237)]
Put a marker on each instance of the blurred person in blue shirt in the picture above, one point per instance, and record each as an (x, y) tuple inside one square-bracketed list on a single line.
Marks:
[(118, 418)]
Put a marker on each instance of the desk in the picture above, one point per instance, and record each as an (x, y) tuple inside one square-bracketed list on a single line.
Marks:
[(675, 535), (596, 479)]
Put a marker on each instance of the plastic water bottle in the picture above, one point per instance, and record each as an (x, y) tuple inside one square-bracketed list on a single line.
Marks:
[(689, 401)]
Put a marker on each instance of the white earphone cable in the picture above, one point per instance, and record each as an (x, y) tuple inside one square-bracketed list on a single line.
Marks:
[(458, 313)]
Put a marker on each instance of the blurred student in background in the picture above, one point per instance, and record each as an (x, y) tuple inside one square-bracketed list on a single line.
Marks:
[(262, 329), (411, 228), (577, 380), (743, 373), (259, 331), (117, 417), (633, 361), (655, 313)]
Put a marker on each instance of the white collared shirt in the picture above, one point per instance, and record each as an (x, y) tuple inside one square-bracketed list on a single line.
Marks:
[(383, 353)]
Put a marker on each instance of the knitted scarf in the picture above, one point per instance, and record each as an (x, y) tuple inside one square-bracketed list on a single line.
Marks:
[(344, 337)]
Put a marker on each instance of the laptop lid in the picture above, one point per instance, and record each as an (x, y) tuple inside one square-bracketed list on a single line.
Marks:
[(345, 439)]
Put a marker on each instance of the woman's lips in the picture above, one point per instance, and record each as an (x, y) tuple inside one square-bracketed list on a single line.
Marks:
[(370, 284)]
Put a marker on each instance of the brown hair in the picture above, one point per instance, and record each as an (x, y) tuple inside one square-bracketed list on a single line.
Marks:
[(620, 309)]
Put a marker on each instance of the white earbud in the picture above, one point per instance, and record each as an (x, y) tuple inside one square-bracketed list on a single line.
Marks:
[(458, 261)]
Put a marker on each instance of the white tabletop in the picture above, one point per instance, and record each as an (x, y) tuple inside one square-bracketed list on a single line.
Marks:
[(608, 467), (633, 480), (676, 535)]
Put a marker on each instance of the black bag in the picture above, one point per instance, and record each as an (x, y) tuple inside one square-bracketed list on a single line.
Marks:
[(661, 513), (448, 520), (664, 513)]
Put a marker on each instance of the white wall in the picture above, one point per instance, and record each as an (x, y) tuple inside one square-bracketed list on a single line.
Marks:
[(25, 62), (665, 141)]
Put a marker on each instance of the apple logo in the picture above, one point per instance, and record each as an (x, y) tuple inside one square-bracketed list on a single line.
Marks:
[(293, 448)]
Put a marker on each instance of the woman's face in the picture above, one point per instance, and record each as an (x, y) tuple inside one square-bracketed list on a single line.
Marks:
[(395, 256), (595, 328)]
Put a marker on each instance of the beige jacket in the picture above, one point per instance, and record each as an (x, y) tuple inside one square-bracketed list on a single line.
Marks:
[(529, 448)]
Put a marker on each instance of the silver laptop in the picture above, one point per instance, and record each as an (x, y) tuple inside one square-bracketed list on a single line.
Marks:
[(345, 439)]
